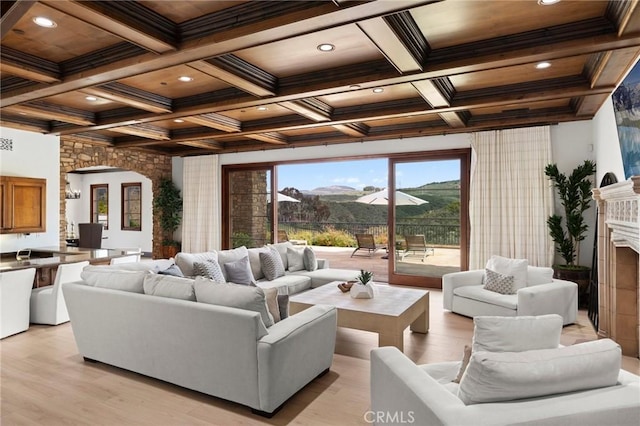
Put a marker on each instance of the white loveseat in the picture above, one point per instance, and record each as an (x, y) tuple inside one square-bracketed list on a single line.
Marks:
[(463, 293), (508, 382), (221, 351)]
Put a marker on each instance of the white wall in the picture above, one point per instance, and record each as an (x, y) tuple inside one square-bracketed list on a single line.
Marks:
[(79, 211), (607, 145), (35, 156)]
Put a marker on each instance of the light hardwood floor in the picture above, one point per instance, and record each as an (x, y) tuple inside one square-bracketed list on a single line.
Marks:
[(44, 381)]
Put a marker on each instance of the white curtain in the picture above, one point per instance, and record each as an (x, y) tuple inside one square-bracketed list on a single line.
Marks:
[(201, 204), (511, 197)]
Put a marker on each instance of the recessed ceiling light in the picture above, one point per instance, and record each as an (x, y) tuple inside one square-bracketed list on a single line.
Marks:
[(91, 98), (177, 120), (326, 47), (262, 108), (44, 22), (378, 90), (354, 86), (543, 65), (547, 2), (185, 78)]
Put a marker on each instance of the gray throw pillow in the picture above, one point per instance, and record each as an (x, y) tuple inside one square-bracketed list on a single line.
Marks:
[(497, 282), (172, 270), (239, 272), (234, 296), (310, 261), (209, 269), (271, 262)]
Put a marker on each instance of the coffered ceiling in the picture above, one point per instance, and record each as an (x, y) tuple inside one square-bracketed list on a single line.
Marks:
[(108, 72)]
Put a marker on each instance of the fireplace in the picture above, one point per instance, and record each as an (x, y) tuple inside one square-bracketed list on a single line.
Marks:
[(618, 265)]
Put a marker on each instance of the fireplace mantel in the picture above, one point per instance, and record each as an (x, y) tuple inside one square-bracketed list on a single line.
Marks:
[(618, 265)]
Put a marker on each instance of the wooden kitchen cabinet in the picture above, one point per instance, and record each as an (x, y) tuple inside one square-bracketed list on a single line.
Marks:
[(24, 205)]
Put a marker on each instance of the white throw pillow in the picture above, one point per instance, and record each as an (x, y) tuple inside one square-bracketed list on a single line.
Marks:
[(169, 286), (515, 267), (505, 376), (310, 260), (516, 334), (234, 296), (116, 280), (295, 258)]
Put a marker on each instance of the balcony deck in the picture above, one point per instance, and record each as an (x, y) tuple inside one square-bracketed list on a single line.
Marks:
[(444, 260)]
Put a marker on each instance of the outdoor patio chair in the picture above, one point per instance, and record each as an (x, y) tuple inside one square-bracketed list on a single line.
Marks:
[(366, 242), (417, 244)]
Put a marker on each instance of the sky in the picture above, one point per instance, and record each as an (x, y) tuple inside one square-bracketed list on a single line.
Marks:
[(361, 173)]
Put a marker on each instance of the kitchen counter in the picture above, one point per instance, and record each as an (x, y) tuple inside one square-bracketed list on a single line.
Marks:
[(47, 259)]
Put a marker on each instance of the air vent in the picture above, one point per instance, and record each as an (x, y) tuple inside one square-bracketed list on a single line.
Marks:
[(6, 144)]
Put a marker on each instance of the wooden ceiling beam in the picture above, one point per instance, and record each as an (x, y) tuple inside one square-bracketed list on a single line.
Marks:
[(270, 137), (136, 98), (145, 131), (453, 119), (237, 77), (50, 111), (313, 109), (27, 66), (357, 130), (108, 17), (206, 144), (216, 121), (14, 12)]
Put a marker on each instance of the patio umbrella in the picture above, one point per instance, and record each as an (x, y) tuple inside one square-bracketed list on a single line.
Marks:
[(381, 198), (282, 197)]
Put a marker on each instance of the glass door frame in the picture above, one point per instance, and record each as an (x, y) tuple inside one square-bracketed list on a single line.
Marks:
[(464, 155), (226, 223)]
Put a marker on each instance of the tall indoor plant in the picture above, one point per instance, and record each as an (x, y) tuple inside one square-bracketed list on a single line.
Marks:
[(168, 205), (574, 192)]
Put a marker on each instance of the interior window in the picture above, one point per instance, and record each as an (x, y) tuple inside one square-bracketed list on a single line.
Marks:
[(100, 204), (131, 206)]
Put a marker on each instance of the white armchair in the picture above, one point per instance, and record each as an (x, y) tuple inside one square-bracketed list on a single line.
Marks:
[(47, 303), (15, 291), (463, 293)]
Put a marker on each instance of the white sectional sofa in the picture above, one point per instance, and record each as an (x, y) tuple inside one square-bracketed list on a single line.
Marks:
[(221, 351), (464, 293), (290, 283)]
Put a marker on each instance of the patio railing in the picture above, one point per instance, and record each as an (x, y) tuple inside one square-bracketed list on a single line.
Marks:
[(438, 231)]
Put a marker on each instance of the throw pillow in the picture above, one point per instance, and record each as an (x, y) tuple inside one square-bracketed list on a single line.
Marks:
[(172, 270), (283, 306), (466, 355), (495, 281), (239, 272), (209, 269), (310, 261), (271, 263), (116, 280), (295, 258), (226, 256), (515, 267), (282, 249), (234, 296), (254, 261), (505, 376), (169, 286), (185, 261), (516, 334), (271, 298)]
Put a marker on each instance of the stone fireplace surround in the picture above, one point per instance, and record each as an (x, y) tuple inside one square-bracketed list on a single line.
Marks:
[(618, 265)]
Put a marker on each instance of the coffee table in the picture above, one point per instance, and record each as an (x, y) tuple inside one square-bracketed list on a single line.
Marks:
[(388, 313)]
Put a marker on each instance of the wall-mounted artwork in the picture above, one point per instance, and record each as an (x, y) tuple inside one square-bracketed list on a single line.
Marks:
[(626, 105)]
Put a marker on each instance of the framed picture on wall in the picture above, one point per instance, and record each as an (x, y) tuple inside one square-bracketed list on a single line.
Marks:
[(626, 105)]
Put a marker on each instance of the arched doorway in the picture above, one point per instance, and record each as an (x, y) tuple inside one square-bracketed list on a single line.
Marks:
[(75, 155)]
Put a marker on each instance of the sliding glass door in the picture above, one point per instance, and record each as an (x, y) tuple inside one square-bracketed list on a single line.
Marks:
[(428, 211)]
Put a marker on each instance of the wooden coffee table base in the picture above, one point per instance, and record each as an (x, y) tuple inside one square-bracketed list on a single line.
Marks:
[(388, 314)]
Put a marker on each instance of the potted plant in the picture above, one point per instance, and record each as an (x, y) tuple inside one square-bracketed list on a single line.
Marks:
[(168, 205), (363, 287), (574, 192)]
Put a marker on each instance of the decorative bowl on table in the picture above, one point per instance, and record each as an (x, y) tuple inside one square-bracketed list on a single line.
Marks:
[(346, 286)]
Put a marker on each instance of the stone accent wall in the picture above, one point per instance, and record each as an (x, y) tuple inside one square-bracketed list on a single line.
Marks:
[(75, 154), (249, 208)]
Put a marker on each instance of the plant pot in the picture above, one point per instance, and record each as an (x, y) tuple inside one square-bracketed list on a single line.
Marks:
[(169, 251), (363, 291), (580, 275)]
